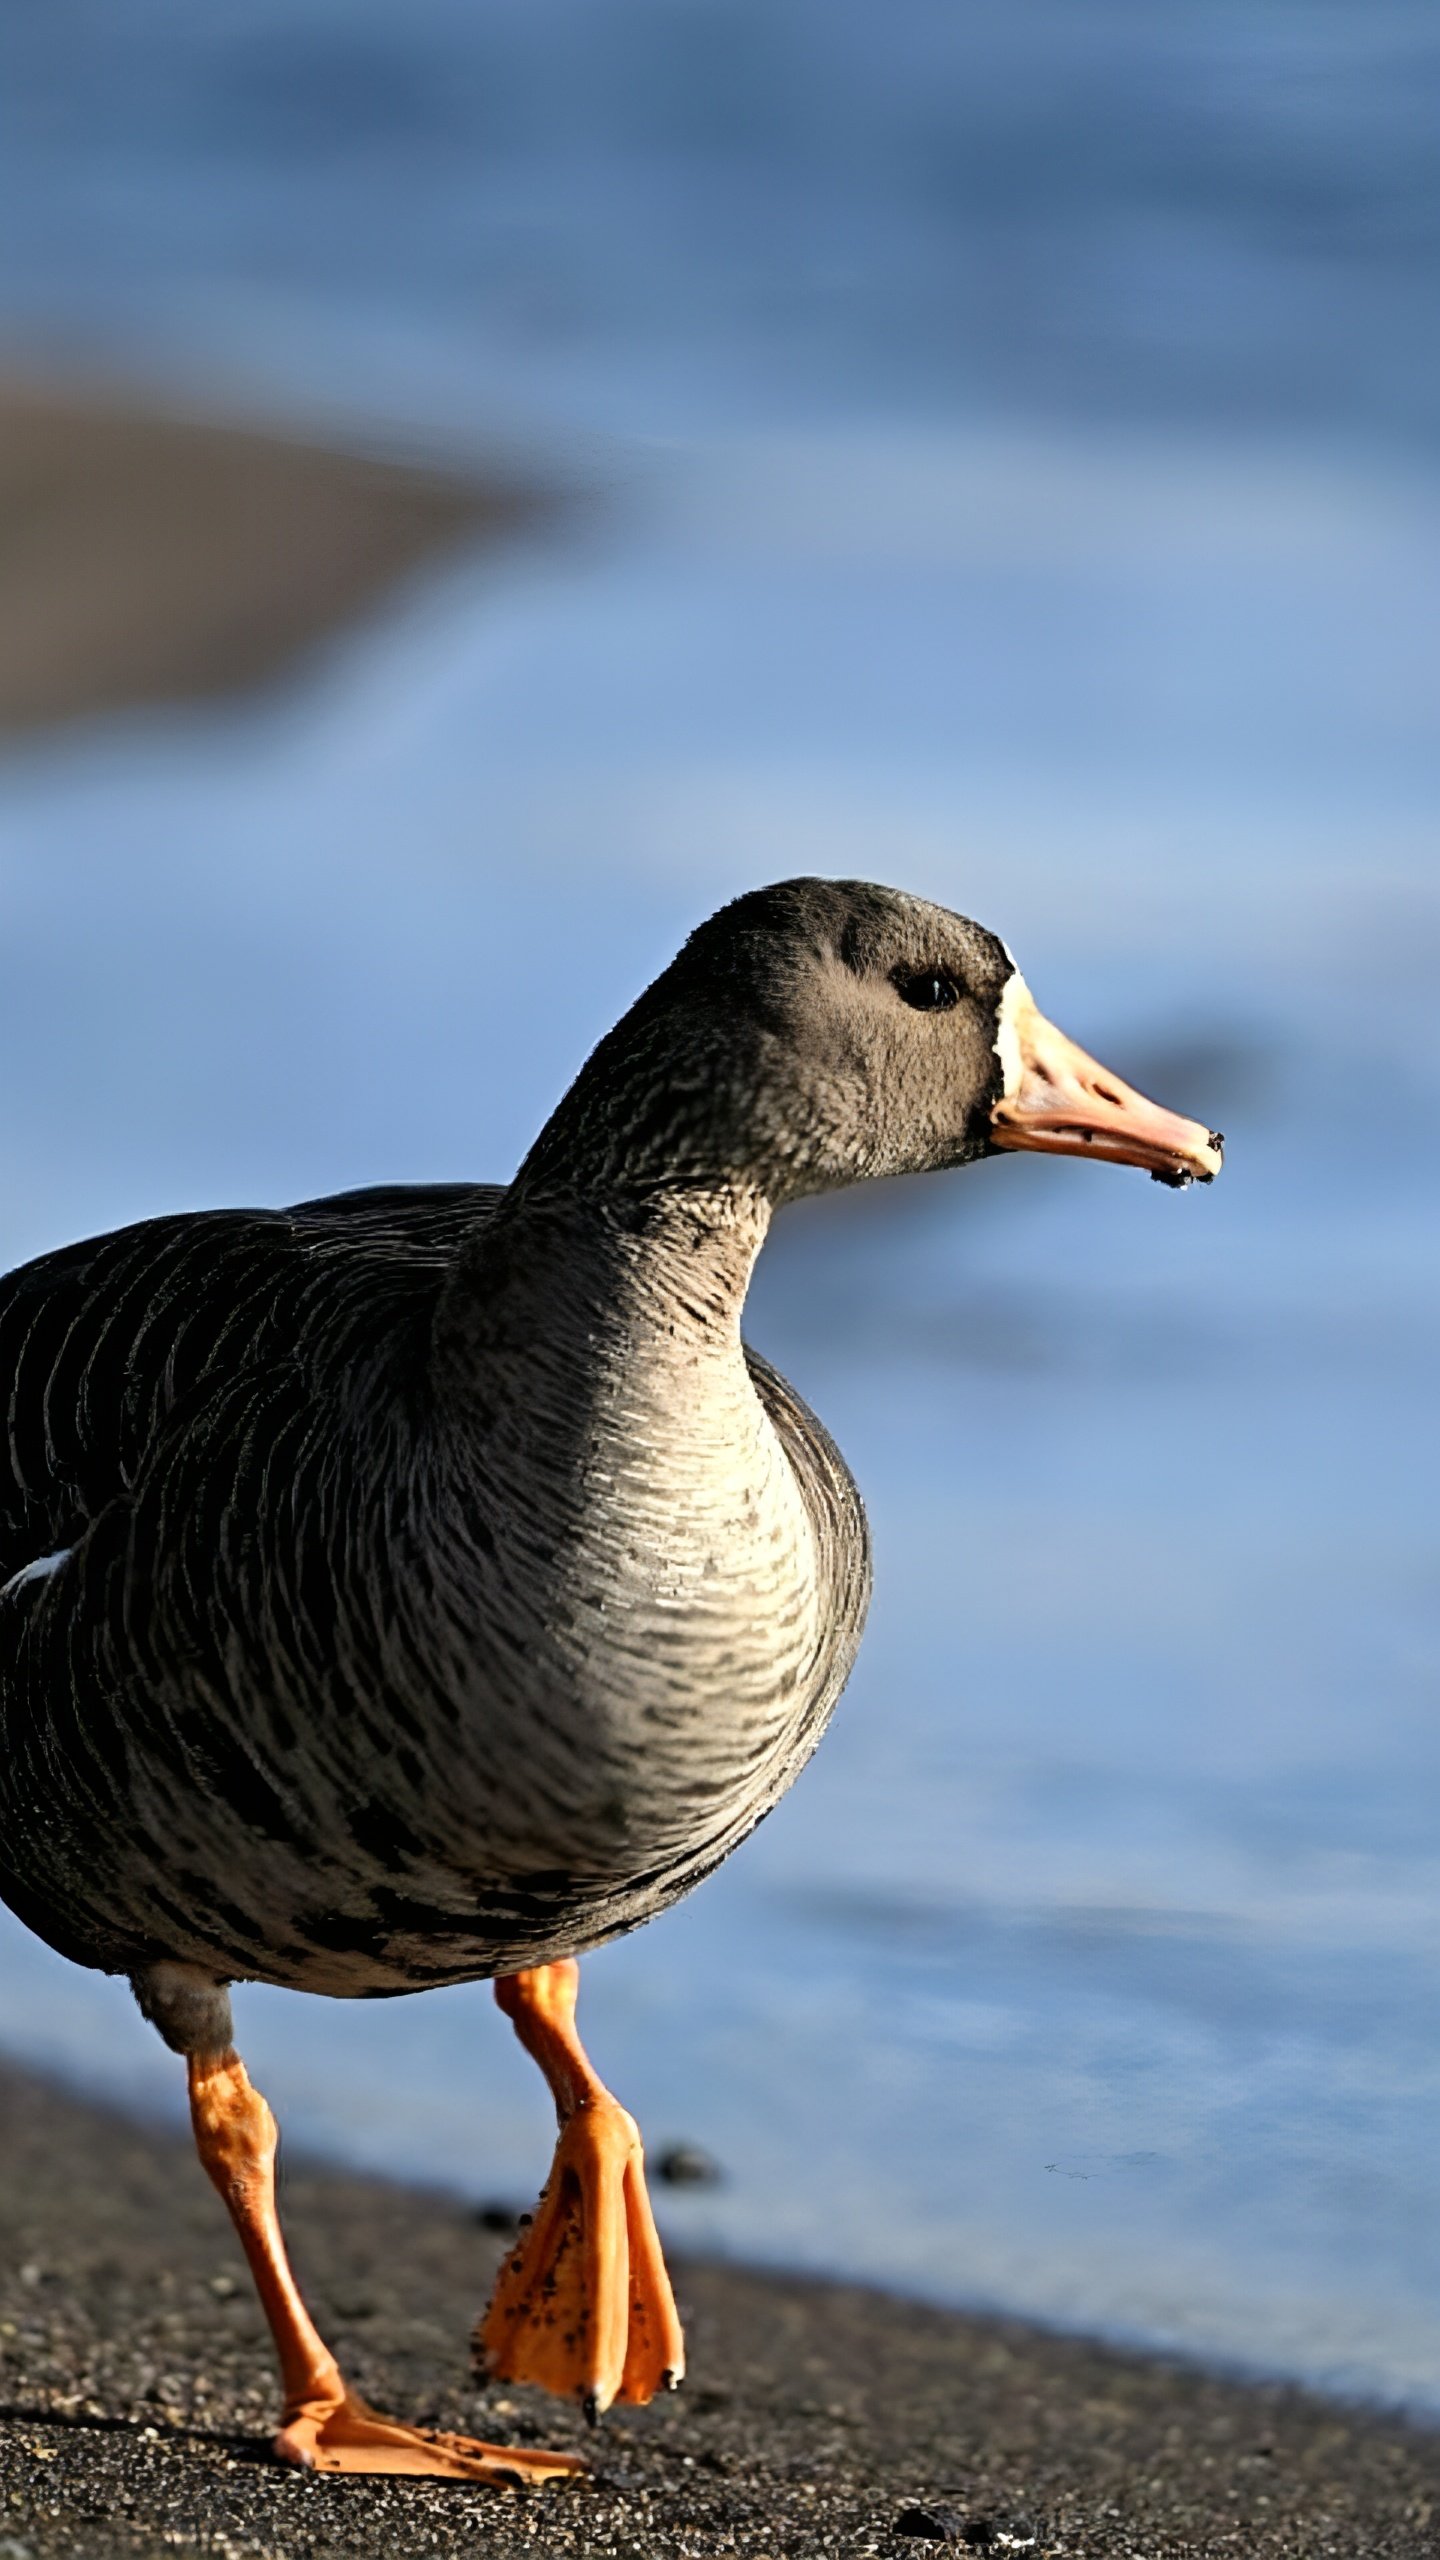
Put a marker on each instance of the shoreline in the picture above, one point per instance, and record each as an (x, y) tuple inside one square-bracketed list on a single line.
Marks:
[(136, 2397), (154, 556)]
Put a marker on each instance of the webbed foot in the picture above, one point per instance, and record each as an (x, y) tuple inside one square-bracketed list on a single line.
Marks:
[(583, 2304), (349, 2435)]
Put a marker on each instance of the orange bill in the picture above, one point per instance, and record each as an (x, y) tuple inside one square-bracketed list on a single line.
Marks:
[(1061, 1102)]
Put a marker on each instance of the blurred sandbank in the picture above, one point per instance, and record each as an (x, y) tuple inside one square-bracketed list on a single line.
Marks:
[(155, 556)]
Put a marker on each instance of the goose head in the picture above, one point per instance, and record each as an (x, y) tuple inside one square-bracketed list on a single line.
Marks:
[(821, 1032)]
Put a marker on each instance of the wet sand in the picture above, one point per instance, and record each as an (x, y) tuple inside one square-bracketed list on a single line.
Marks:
[(153, 558), (136, 2392)]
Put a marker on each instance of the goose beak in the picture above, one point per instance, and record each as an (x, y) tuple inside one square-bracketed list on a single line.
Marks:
[(1061, 1102)]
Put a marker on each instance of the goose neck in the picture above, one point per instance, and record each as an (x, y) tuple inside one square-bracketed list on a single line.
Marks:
[(663, 1275)]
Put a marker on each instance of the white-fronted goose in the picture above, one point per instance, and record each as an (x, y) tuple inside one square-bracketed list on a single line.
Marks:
[(419, 1586)]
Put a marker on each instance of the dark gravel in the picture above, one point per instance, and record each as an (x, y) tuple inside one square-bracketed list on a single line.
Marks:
[(136, 2393)]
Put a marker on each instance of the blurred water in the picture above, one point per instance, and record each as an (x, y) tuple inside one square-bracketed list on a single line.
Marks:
[(1011, 445)]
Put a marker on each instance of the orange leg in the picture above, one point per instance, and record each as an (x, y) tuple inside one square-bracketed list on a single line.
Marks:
[(325, 2426), (583, 2305)]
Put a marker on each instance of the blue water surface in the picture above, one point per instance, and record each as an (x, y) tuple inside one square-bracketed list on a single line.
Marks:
[(1004, 458)]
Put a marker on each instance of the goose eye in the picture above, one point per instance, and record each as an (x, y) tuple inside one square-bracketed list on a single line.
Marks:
[(928, 990)]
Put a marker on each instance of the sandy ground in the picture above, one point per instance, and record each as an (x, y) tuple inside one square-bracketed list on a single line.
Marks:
[(148, 558), (136, 2392)]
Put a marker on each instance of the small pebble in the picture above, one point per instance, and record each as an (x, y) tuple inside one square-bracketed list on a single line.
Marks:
[(684, 2164), (501, 2218)]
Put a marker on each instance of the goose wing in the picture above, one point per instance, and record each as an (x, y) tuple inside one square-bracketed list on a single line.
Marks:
[(105, 1345)]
